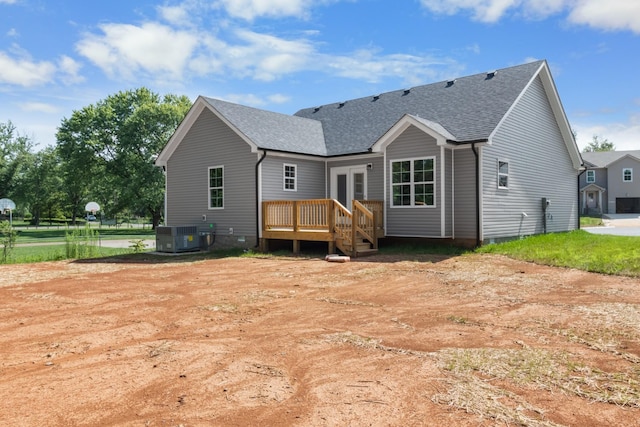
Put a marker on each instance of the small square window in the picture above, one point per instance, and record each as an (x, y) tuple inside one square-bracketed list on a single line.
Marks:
[(591, 176), (503, 174)]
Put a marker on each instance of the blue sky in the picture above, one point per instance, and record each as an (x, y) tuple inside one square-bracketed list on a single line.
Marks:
[(282, 55)]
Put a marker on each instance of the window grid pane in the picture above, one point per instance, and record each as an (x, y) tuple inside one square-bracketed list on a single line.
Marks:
[(503, 174), (289, 177), (216, 188), (412, 182)]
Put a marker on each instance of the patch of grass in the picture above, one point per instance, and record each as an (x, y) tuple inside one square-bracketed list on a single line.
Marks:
[(591, 221), (577, 249), (28, 254), (544, 370), (458, 319), (35, 235)]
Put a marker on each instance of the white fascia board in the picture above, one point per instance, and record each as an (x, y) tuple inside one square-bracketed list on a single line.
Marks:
[(194, 113)]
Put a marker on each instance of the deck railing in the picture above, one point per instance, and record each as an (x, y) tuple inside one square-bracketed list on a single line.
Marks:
[(297, 215), (323, 219)]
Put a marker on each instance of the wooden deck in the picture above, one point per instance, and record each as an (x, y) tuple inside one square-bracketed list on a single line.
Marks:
[(354, 232)]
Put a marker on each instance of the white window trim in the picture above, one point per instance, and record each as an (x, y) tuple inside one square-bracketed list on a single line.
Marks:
[(630, 173), (499, 174), (285, 177), (412, 184), (591, 176), (209, 188)]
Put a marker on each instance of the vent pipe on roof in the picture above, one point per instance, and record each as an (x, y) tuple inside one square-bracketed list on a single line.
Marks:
[(340, 105), (491, 74), (376, 97), (316, 109), (406, 92), (450, 82)]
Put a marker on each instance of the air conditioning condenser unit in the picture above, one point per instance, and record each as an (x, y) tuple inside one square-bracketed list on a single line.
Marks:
[(177, 238)]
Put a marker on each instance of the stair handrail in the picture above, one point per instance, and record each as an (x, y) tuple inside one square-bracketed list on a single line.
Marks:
[(365, 222), (342, 222)]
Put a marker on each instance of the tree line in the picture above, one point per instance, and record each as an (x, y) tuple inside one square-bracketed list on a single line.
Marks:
[(104, 152)]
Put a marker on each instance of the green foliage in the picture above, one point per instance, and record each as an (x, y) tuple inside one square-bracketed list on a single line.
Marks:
[(81, 243), (7, 240), (591, 221), (109, 150), (577, 249), (138, 245), (15, 152), (597, 145)]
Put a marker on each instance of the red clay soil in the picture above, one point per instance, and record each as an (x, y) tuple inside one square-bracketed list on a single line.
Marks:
[(306, 342)]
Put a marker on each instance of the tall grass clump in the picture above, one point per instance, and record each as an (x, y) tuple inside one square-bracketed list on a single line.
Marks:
[(81, 243), (7, 239)]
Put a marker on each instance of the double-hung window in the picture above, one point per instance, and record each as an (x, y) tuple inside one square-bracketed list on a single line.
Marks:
[(627, 175), (503, 174), (413, 182), (290, 177), (216, 187), (591, 176)]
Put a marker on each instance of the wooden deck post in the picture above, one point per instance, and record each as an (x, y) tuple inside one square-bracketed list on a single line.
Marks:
[(294, 215)]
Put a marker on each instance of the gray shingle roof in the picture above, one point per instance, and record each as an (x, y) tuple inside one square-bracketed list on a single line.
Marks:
[(274, 131), (469, 109), (602, 159)]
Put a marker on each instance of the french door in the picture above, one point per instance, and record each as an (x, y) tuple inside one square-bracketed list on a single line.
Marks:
[(348, 183)]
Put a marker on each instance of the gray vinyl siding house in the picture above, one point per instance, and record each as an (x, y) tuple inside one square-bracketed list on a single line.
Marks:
[(610, 184), (467, 161)]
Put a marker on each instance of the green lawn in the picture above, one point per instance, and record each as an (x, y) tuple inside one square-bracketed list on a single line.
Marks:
[(591, 221), (43, 235), (577, 249), (27, 254)]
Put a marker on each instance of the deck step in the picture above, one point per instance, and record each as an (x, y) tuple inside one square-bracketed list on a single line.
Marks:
[(366, 252)]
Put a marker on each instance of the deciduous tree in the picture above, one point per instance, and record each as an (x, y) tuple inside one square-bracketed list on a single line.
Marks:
[(120, 137)]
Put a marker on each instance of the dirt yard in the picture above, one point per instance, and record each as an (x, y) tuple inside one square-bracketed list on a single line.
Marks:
[(382, 341)]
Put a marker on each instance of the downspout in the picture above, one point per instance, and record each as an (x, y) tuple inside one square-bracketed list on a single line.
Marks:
[(579, 175), (264, 154), (475, 153)]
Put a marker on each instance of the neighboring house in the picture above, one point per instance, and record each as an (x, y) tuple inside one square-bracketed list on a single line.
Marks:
[(469, 160), (610, 183)]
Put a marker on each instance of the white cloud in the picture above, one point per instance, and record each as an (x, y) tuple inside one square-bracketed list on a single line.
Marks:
[(177, 15), (249, 99), (24, 71), (8, 1), (12, 32), (606, 15), (124, 50), (266, 58), (625, 136), (250, 9), (39, 107), (70, 69), (370, 66), (278, 98)]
